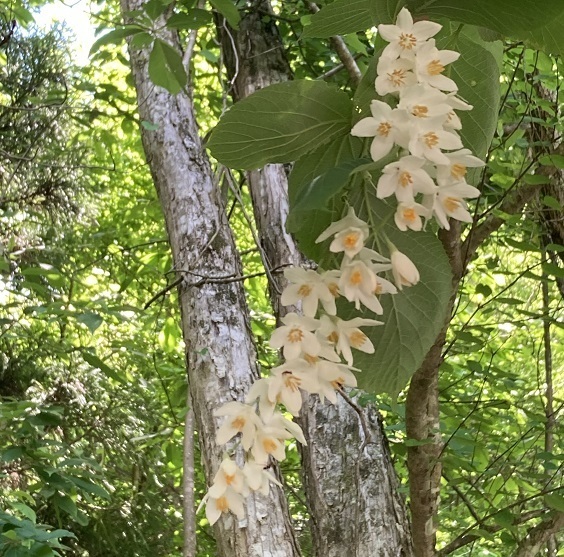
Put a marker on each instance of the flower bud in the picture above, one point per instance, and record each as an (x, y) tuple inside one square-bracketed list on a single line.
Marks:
[(404, 271)]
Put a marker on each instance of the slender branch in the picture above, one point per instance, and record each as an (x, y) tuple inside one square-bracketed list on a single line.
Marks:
[(188, 477), (536, 537)]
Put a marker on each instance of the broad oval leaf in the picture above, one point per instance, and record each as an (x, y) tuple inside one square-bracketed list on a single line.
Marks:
[(166, 68), (340, 18), (280, 123)]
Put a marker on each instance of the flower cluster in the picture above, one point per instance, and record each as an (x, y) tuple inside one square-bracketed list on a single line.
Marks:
[(317, 345), (312, 348), (423, 124)]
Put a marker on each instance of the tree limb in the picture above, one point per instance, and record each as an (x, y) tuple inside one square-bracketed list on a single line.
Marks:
[(530, 546)]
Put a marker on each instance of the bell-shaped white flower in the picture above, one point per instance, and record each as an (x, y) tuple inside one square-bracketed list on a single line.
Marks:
[(455, 171), (350, 221), (405, 36), (269, 441), (347, 335), (258, 478), (449, 202), (423, 101), (229, 475), (331, 279), (241, 418), (285, 388), (383, 126), (405, 178), (358, 283), (308, 287), (429, 138), (332, 377), (408, 215), (430, 64), (394, 76), (295, 336), (404, 271), (230, 500)]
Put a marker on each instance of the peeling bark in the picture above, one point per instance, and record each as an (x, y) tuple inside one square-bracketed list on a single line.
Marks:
[(351, 488), (219, 352)]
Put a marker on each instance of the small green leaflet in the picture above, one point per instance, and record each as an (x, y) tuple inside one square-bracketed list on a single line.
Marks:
[(97, 363), (194, 19), (166, 68), (280, 123), (116, 36), (228, 10)]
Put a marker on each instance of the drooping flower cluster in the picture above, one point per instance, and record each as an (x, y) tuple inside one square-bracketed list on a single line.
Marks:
[(427, 180), (312, 348), (423, 124)]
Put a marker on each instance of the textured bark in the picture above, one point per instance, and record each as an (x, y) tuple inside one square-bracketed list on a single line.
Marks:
[(352, 493), (190, 545), (219, 352)]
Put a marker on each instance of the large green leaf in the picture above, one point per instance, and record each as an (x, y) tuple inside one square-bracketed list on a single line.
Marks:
[(549, 37), (340, 18), (509, 17), (280, 123), (166, 68)]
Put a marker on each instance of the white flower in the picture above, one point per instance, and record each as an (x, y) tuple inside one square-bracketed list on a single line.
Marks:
[(241, 419), (404, 271), (331, 279), (229, 475), (405, 36), (350, 221), (259, 391), (430, 64), (383, 125), (346, 334), (358, 283), (422, 101), (230, 500), (284, 388), (408, 215), (455, 171), (258, 478), (295, 335), (449, 202), (269, 441), (384, 286), (309, 288), (429, 138), (350, 241), (394, 76), (332, 377), (405, 178)]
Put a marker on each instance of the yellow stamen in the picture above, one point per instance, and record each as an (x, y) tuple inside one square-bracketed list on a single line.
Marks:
[(229, 479), (384, 129), (356, 278), (334, 289), (451, 204), (379, 288), (291, 381), (407, 41), (409, 215), (405, 179), (269, 445), (304, 290), (239, 423), (420, 111), (295, 335), (357, 339), (222, 504), (351, 240), (333, 337), (458, 171), (431, 139), (311, 359), (434, 67), (397, 77)]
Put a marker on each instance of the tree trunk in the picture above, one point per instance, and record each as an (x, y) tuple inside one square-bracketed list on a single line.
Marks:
[(219, 352), (351, 486)]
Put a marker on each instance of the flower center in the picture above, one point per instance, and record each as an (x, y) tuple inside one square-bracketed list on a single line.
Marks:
[(351, 240), (222, 504), (405, 179), (295, 335), (334, 289), (434, 67), (333, 337), (451, 204), (458, 171), (355, 278), (409, 215), (291, 381), (311, 359), (384, 129), (420, 111), (397, 77), (338, 383), (229, 478), (378, 289), (357, 339), (269, 445), (407, 41), (431, 139), (304, 290), (239, 423)]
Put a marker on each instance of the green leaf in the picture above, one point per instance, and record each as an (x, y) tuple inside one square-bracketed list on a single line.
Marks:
[(97, 363), (340, 18), (555, 501), (66, 504), (116, 36), (552, 160), (508, 17), (280, 123), (12, 453), (324, 187), (194, 19), (166, 69), (549, 37), (26, 510), (551, 202), (91, 320), (154, 8), (90, 487), (228, 10), (170, 335)]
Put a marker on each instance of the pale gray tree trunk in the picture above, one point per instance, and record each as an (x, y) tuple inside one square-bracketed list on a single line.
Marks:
[(350, 482), (219, 352)]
